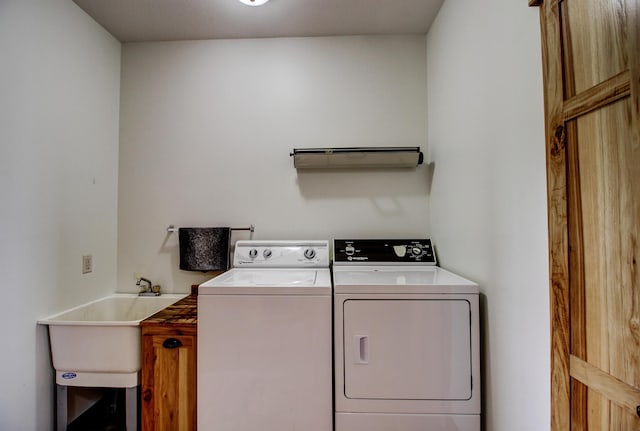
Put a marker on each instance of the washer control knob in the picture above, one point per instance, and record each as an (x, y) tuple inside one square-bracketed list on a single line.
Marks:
[(267, 253), (253, 253), (416, 251), (349, 250), (309, 253)]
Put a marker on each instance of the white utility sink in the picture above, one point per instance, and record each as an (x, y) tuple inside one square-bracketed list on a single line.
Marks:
[(98, 344)]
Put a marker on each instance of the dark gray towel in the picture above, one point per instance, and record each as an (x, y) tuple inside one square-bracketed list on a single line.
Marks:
[(204, 248)]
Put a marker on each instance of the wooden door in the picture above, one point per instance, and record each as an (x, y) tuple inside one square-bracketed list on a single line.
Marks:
[(591, 65)]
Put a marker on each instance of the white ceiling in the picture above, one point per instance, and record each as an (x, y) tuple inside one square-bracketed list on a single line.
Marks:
[(162, 20)]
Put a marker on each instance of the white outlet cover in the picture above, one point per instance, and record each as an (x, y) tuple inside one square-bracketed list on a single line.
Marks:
[(87, 264)]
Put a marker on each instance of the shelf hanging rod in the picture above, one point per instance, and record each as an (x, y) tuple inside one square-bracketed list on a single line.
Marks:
[(251, 228)]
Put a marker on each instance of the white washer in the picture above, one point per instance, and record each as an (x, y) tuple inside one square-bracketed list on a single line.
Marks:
[(407, 343), (264, 340)]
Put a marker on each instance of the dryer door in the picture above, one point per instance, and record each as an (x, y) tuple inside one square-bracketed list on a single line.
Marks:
[(415, 349)]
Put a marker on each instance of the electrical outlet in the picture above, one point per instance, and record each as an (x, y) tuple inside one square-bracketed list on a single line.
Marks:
[(87, 263)]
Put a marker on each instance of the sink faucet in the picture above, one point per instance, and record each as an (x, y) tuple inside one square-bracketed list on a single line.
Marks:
[(145, 280)]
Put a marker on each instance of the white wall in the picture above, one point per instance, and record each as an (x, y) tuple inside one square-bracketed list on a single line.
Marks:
[(59, 91), (488, 204), (207, 127)]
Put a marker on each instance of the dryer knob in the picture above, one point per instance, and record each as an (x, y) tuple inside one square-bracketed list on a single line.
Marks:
[(416, 251), (309, 253), (253, 253), (267, 253), (349, 250)]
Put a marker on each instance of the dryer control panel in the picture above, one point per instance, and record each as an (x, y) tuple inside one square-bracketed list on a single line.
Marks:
[(383, 252)]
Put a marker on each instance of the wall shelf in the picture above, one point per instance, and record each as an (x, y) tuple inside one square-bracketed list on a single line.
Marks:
[(357, 157)]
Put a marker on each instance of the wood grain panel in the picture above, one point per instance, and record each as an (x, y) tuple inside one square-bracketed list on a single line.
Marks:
[(169, 376), (165, 410), (147, 383), (624, 209), (592, 195), (618, 391), (591, 66), (632, 159), (577, 301), (183, 390), (610, 202), (169, 397), (598, 410), (182, 313), (624, 419), (579, 392), (596, 97), (633, 26), (557, 209), (597, 34), (591, 192), (186, 341)]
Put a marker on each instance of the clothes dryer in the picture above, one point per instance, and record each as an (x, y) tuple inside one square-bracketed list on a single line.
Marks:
[(406, 340)]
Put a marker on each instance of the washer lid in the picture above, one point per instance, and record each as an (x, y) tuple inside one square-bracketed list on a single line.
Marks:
[(407, 279), (266, 281)]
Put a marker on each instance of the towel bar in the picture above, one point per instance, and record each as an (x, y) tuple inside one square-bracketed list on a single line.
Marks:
[(251, 228)]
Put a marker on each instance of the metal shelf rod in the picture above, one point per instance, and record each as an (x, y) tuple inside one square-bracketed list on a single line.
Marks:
[(251, 228)]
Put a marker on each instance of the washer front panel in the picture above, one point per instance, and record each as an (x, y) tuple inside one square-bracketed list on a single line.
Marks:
[(265, 340), (264, 363)]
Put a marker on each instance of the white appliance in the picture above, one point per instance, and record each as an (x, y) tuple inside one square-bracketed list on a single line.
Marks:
[(407, 348), (264, 340)]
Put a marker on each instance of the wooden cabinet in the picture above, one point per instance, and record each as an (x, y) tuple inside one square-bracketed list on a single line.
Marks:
[(168, 376)]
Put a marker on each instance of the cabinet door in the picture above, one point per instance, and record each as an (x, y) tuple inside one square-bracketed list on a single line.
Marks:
[(169, 383)]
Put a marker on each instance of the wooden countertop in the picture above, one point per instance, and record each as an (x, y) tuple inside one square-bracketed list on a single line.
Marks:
[(182, 313)]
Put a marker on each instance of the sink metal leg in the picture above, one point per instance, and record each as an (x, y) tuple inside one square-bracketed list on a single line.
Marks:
[(61, 407), (131, 406)]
